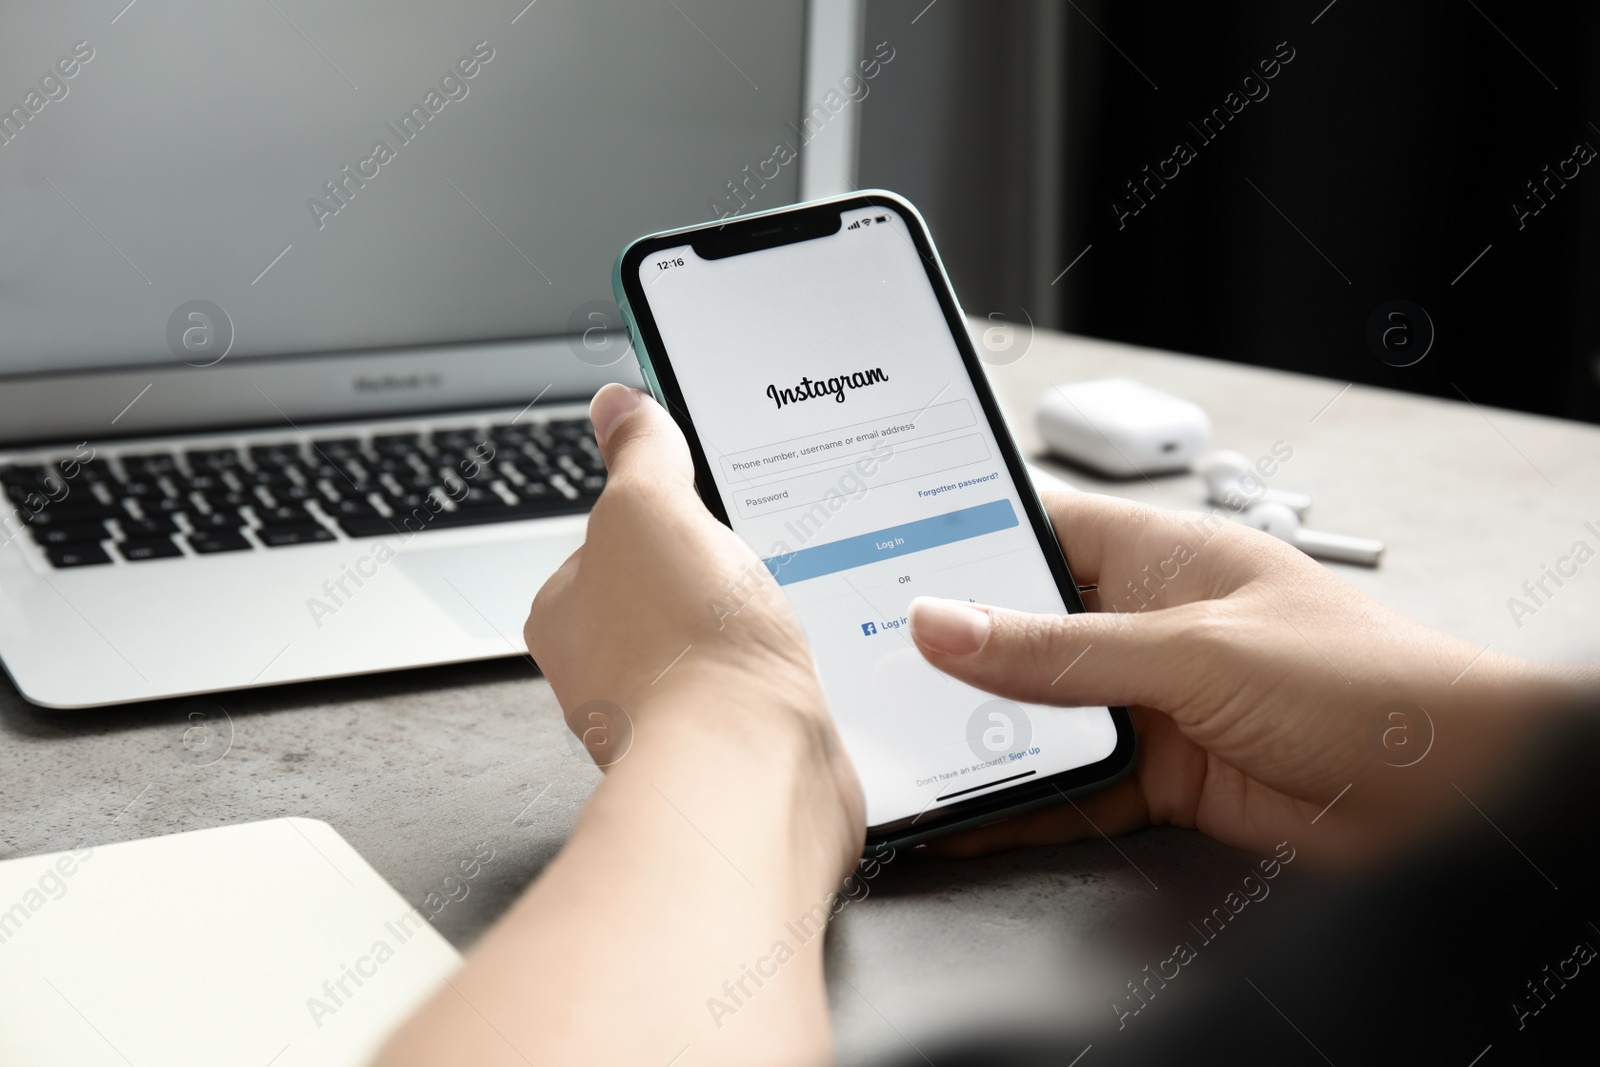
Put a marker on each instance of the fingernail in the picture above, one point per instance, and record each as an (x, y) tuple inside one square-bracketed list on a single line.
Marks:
[(613, 403), (948, 626)]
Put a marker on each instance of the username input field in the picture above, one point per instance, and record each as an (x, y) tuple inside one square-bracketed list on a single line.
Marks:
[(850, 480), (830, 448)]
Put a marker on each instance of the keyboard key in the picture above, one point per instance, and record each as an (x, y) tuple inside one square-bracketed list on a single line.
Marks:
[(230, 499), (351, 507), (53, 487), (477, 497), (590, 485), (213, 459), (285, 515), (73, 534), (167, 505), (149, 527), (533, 492), (397, 444), (456, 441), (90, 470), (267, 476), (31, 495), (536, 467), (218, 521), (149, 548), (134, 489), (67, 513), (152, 465), (406, 503), (337, 448), (419, 483), (277, 455), (279, 536), (477, 472), (22, 474), (83, 555), (291, 494), (405, 522), (207, 542), (202, 482), (343, 473), (400, 465), (509, 435)]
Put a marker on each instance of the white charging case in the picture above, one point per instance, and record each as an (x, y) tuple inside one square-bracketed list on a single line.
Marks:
[(1122, 428)]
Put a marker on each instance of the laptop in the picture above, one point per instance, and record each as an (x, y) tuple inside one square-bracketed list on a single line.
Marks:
[(301, 307)]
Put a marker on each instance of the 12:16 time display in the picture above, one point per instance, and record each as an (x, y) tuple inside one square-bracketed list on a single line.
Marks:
[(665, 264)]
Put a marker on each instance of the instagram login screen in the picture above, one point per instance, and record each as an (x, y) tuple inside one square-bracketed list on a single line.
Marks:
[(852, 455)]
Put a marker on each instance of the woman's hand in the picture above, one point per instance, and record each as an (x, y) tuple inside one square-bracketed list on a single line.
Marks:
[(634, 612), (728, 811), (665, 628), (1254, 677)]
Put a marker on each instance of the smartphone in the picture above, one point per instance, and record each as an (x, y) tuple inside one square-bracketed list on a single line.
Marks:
[(841, 423)]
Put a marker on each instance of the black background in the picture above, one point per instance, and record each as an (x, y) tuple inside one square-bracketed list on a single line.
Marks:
[(1394, 143)]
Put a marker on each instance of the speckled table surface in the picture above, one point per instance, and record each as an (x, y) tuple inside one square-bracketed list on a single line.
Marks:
[(418, 769)]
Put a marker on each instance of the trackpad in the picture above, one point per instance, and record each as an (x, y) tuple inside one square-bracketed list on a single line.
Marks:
[(487, 588)]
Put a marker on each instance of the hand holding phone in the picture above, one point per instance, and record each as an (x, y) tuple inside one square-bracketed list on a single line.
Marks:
[(840, 423), (646, 675)]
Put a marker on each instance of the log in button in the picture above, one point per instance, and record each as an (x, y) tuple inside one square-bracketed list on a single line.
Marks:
[(892, 542)]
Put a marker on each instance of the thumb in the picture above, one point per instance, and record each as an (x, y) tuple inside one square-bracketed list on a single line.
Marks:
[(638, 440), (1086, 659)]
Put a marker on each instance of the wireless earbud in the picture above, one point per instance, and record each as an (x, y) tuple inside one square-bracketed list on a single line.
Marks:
[(1282, 522), (1231, 482)]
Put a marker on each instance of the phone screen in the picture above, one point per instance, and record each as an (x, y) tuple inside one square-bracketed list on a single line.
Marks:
[(851, 452)]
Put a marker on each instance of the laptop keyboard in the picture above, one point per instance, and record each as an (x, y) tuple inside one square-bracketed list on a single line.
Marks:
[(144, 505)]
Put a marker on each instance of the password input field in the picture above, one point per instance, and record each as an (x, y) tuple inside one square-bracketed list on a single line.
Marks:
[(830, 448), (850, 480)]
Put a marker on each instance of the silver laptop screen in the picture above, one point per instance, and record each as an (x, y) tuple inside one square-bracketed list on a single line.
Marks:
[(337, 176)]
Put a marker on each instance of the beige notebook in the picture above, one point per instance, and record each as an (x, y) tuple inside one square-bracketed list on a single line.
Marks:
[(272, 943)]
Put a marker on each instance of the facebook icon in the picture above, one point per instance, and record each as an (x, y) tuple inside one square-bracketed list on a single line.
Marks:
[(869, 628)]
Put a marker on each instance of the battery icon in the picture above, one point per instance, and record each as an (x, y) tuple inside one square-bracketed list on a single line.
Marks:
[(882, 218)]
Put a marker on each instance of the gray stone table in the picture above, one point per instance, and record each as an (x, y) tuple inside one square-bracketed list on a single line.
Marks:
[(418, 769)]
